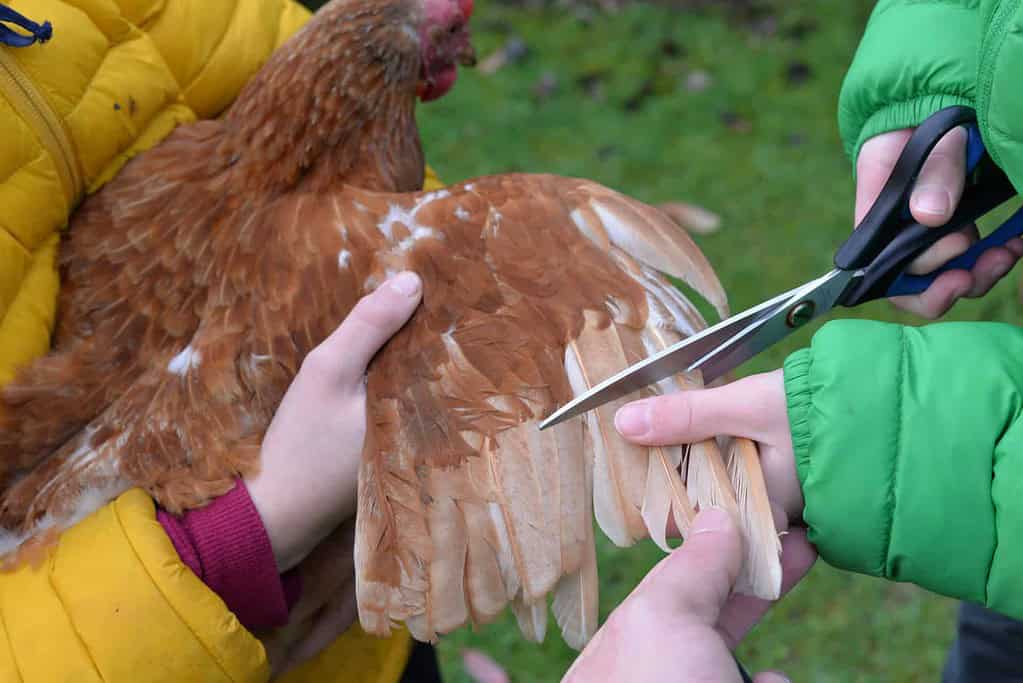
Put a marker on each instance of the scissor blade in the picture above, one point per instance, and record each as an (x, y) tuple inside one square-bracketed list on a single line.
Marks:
[(815, 299), (672, 360)]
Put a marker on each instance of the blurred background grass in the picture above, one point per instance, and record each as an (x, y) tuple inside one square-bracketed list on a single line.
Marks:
[(731, 105)]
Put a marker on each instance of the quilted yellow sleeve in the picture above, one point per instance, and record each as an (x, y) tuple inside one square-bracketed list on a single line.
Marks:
[(432, 181), (228, 42), (33, 282), (293, 17), (113, 602)]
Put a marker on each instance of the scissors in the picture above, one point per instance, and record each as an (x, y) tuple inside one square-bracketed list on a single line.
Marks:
[(869, 265)]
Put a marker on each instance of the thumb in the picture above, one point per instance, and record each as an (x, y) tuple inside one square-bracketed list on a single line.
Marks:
[(373, 321), (697, 578), (942, 178)]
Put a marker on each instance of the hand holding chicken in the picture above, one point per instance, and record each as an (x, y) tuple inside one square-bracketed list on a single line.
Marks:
[(306, 486)]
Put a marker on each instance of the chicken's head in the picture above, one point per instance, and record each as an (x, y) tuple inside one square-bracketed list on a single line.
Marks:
[(444, 44)]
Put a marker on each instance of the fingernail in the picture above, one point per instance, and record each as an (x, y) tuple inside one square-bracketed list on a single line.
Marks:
[(1000, 270), (711, 519), (933, 200), (633, 420), (407, 284)]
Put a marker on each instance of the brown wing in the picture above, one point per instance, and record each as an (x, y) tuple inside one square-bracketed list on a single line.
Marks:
[(531, 296), (536, 288)]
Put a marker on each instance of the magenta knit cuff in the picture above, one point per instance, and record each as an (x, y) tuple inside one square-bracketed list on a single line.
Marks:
[(226, 545)]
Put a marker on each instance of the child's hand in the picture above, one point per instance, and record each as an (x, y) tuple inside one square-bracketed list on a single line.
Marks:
[(681, 622), (327, 607), (753, 407), (310, 457), (934, 199)]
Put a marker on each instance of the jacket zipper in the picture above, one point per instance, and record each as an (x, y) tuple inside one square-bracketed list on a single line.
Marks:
[(32, 107)]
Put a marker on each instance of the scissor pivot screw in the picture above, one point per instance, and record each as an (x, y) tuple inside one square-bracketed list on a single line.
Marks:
[(800, 314)]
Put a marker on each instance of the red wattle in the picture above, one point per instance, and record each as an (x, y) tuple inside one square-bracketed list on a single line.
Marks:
[(442, 83)]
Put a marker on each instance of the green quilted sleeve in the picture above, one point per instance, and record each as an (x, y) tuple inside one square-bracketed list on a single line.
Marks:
[(916, 57), (909, 449)]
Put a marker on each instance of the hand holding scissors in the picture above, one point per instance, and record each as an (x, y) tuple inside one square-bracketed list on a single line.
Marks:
[(870, 265), (934, 199)]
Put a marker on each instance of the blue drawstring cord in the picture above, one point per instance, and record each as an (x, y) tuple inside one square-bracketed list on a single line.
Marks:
[(8, 36)]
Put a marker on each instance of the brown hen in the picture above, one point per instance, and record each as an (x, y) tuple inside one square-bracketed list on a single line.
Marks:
[(198, 280)]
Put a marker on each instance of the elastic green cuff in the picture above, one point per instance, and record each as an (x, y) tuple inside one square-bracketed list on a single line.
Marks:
[(915, 58), (798, 398), (898, 115), (845, 397), (907, 443)]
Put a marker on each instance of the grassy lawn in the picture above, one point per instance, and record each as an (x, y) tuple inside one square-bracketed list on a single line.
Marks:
[(613, 97)]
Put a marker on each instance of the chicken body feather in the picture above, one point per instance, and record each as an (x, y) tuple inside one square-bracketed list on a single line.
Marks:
[(198, 281)]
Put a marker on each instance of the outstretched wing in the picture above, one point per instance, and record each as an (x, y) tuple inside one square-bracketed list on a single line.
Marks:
[(535, 289)]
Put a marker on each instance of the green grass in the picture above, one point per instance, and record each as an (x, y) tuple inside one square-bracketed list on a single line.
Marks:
[(784, 190)]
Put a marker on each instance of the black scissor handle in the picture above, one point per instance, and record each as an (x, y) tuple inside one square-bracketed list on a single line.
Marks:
[(742, 670), (888, 238)]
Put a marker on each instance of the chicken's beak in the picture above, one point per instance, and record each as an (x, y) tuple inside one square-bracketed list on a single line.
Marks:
[(466, 55)]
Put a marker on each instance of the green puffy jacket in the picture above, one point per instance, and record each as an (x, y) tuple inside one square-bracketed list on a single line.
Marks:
[(909, 441), (918, 56)]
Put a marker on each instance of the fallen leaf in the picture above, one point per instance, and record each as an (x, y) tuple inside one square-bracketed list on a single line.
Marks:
[(692, 218), (517, 49), (797, 73), (736, 122), (585, 15), (671, 49), (637, 100), (513, 51), (795, 139), (482, 669), (593, 85), (801, 29), (546, 86), (698, 80), (765, 26)]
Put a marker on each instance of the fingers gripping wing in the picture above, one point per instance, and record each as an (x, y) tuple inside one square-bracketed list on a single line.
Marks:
[(535, 288)]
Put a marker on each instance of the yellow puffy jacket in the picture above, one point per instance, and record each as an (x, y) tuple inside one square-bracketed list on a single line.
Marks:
[(114, 602)]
